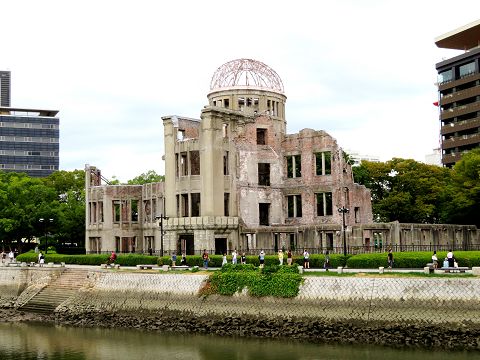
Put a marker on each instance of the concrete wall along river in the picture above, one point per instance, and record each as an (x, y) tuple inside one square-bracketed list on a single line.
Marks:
[(440, 312)]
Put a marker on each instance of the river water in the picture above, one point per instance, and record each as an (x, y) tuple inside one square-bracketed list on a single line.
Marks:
[(27, 341)]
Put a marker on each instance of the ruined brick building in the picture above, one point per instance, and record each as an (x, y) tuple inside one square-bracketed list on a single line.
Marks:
[(235, 179)]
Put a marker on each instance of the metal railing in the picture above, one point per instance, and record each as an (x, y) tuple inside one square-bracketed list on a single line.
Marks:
[(352, 250)]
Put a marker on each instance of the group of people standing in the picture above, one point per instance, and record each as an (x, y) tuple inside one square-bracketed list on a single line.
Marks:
[(243, 258), (11, 256)]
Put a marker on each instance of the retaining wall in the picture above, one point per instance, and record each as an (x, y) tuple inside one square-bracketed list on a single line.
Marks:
[(440, 312)]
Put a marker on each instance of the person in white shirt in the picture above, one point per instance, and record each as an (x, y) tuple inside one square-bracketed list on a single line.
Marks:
[(450, 259), (234, 257), (306, 259), (435, 260)]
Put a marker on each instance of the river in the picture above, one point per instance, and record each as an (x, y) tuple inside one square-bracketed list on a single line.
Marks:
[(29, 341)]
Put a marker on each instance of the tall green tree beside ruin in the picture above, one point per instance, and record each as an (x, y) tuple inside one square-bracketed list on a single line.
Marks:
[(404, 190), (69, 187), (461, 199)]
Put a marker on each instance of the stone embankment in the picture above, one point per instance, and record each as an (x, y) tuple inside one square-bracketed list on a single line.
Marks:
[(394, 311)]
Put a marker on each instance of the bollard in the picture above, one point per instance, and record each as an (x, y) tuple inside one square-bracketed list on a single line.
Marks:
[(381, 270), (300, 269), (426, 270), (340, 270), (476, 270)]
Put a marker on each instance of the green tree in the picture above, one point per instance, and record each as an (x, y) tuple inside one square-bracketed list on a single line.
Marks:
[(149, 177), (24, 201), (69, 187), (404, 190), (461, 199)]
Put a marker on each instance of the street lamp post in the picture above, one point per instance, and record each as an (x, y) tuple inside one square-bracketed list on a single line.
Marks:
[(161, 218), (343, 210), (44, 221)]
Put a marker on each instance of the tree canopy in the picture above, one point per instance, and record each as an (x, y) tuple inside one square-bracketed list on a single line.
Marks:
[(149, 177), (25, 200), (412, 192)]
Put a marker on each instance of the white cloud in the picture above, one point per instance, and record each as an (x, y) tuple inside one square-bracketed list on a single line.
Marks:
[(362, 71)]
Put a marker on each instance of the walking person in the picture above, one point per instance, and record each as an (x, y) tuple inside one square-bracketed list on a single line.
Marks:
[(280, 257), (289, 257), (435, 260), (306, 259), (326, 263), (205, 259), (183, 262), (4, 257), (11, 256), (243, 259), (234, 257), (261, 258), (451, 259), (224, 259), (390, 259)]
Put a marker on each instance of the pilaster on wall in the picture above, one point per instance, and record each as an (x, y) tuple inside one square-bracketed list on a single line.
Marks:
[(169, 137), (211, 155)]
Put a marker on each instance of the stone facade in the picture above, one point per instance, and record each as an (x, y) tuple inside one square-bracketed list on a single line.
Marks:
[(234, 179)]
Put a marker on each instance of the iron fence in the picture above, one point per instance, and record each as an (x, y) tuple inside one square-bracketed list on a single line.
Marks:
[(351, 250)]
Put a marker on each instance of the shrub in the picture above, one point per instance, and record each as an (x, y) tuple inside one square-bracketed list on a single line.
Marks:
[(272, 280)]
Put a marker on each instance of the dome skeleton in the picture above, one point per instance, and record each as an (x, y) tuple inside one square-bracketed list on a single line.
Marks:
[(246, 73)]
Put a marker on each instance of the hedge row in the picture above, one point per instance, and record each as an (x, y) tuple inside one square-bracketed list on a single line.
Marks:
[(363, 261), (91, 259), (411, 260), (273, 280)]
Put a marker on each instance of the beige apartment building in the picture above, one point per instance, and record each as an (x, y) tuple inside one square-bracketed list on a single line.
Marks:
[(234, 179)]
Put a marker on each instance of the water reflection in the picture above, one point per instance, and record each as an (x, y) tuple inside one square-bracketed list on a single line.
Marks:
[(36, 341)]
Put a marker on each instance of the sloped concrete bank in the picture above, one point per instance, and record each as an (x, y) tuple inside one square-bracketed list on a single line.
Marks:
[(421, 312)]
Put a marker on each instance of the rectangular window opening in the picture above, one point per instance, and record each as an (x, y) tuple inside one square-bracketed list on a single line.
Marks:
[(226, 204), (261, 136), (324, 204), (194, 162), (195, 198), (116, 211), (225, 163), (184, 205), (264, 174), (134, 210), (323, 163), (294, 206), (183, 164), (264, 209)]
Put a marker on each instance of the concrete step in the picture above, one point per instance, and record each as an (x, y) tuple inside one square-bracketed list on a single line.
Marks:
[(61, 289)]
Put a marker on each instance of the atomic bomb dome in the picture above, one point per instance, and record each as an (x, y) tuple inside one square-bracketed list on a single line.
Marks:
[(246, 73), (249, 86)]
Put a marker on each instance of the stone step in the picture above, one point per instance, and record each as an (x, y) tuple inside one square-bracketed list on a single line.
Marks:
[(61, 289)]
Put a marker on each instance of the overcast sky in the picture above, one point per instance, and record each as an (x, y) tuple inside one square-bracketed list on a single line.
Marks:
[(364, 71)]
